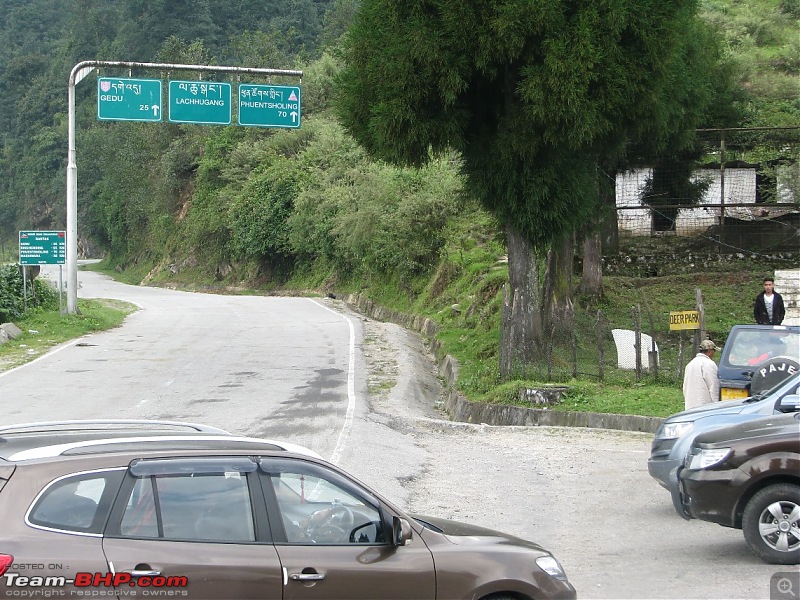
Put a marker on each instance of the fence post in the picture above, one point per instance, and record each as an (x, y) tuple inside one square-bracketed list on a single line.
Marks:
[(574, 353), (701, 333), (601, 332), (721, 187), (652, 354), (637, 343)]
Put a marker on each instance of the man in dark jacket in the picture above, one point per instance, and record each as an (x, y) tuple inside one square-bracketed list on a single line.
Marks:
[(768, 308)]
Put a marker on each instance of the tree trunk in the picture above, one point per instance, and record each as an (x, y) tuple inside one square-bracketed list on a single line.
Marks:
[(592, 278), (607, 198), (605, 236), (558, 309), (610, 232), (521, 328)]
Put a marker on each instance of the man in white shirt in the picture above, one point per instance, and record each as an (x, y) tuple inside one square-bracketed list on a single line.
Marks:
[(700, 380)]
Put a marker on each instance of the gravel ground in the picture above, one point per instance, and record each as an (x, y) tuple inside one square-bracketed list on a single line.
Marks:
[(584, 494)]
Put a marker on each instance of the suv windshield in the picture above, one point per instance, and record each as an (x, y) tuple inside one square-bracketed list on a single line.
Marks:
[(750, 347), (782, 388)]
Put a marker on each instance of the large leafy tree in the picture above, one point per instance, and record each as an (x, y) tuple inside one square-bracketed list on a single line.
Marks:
[(536, 96)]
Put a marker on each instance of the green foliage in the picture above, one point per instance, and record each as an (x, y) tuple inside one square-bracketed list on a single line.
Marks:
[(318, 84), (120, 193), (13, 300), (528, 93), (762, 42), (370, 218), (259, 215), (176, 50), (533, 94), (258, 49)]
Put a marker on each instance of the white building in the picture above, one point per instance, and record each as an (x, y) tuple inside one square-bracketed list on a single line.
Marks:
[(740, 188)]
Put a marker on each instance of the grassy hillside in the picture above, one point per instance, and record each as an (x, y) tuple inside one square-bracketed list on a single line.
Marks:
[(761, 39)]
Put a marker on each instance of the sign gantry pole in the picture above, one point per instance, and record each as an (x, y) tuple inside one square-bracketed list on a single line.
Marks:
[(79, 71)]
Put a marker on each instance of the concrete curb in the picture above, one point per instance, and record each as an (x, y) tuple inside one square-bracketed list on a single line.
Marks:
[(464, 410)]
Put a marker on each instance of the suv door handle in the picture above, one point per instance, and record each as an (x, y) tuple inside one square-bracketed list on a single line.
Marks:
[(306, 576), (136, 573)]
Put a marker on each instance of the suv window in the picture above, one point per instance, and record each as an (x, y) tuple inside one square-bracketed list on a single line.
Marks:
[(316, 507), (197, 507), (78, 503), (750, 347)]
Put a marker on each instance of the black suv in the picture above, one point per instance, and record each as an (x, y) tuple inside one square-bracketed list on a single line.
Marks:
[(747, 476)]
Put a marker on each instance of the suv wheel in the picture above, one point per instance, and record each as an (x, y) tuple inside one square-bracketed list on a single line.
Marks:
[(771, 524)]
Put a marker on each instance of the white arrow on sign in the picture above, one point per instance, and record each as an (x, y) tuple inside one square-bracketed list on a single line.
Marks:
[(155, 110), (294, 116)]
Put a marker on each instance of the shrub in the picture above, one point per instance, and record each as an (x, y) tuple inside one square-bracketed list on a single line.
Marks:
[(12, 288)]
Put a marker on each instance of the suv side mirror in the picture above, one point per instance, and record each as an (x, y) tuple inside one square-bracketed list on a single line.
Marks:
[(789, 403), (401, 531)]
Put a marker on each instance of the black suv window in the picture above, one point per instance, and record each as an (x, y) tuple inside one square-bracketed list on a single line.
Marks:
[(193, 505), (77, 503)]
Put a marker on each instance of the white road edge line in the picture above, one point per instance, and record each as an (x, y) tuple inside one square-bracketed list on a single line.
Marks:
[(43, 356), (344, 434)]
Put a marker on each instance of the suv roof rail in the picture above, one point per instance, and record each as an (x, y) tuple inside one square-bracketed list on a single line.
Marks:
[(54, 450), (101, 424)]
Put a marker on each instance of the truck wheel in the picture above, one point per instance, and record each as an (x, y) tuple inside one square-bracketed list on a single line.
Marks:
[(771, 524)]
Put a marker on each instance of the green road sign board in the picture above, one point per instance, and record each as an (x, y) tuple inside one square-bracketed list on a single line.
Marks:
[(269, 105), (202, 102), (42, 247), (128, 99)]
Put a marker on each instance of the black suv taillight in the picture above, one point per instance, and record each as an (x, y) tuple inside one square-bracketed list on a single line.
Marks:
[(5, 562)]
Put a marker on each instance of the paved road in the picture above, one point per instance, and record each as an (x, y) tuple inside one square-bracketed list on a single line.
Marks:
[(260, 366), (299, 368)]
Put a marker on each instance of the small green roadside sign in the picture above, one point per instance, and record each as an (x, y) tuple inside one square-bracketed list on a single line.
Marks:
[(128, 99), (42, 247), (201, 102), (269, 105)]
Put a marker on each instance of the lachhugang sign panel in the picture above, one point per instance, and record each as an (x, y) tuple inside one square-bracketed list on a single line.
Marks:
[(200, 102)]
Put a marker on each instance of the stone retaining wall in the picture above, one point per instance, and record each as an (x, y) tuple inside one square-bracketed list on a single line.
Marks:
[(677, 263), (462, 409)]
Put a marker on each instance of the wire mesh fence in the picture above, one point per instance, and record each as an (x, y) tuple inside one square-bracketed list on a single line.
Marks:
[(637, 350), (738, 190)]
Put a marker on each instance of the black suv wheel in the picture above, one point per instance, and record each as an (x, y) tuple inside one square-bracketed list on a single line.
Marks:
[(771, 524)]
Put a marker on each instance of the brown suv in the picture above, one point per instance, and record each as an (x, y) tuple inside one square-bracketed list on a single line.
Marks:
[(132, 508), (747, 476)]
